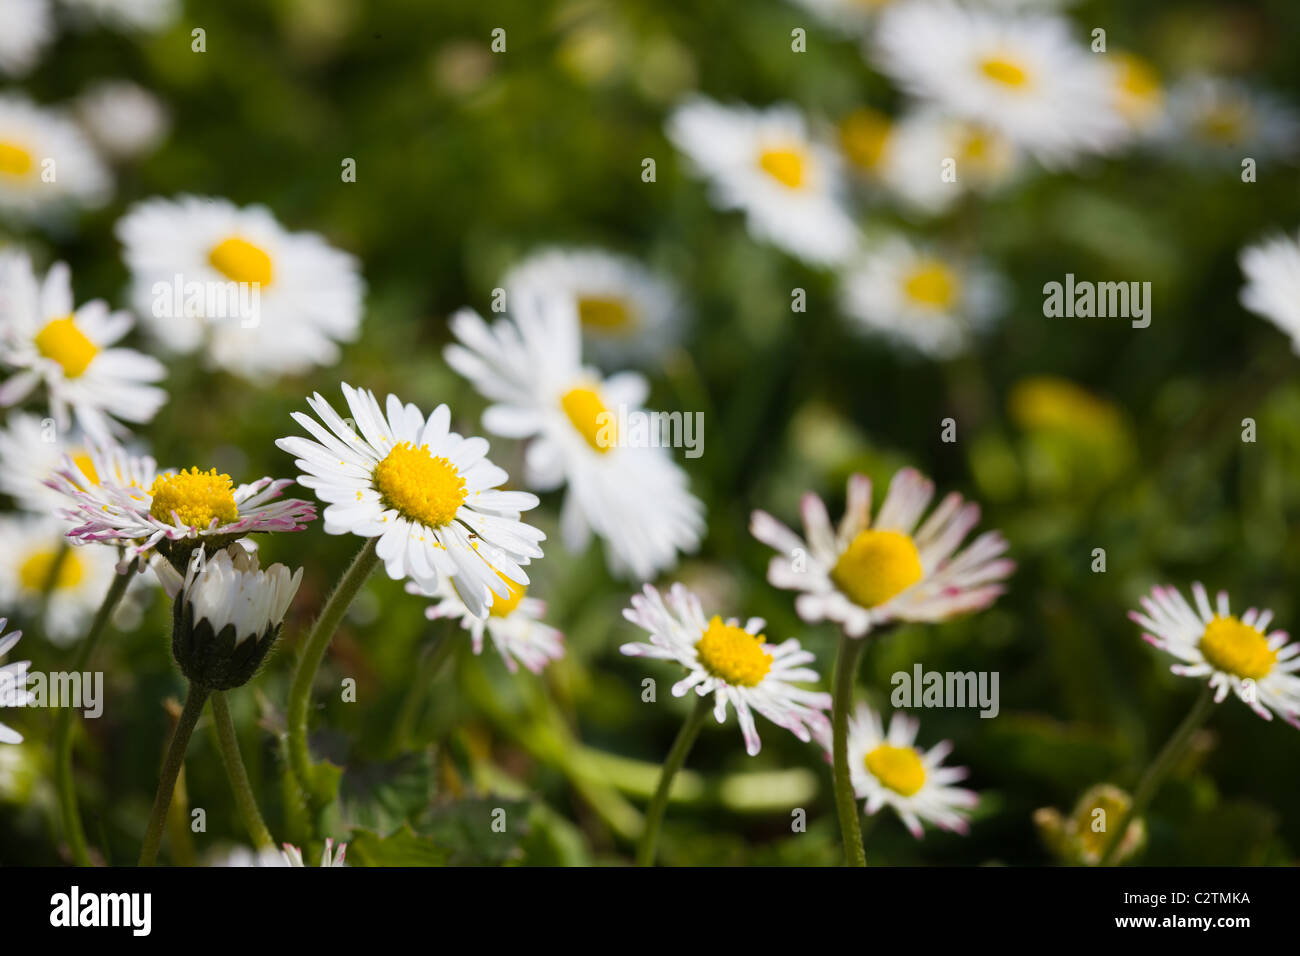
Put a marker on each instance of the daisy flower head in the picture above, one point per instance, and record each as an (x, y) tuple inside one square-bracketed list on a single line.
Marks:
[(888, 770), (1137, 90), (330, 857), (1211, 119), (1272, 289), (899, 568), (628, 491), (260, 301), (765, 163), (28, 29), (1023, 75), (46, 164), (627, 311), (431, 498), (124, 119), (72, 351), (921, 299), (32, 450), (13, 683), (734, 663), (1235, 654)]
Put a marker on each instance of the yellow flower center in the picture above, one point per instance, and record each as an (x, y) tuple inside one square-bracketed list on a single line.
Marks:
[(62, 341), (931, 284), (1236, 648), (1094, 843), (898, 768), (241, 261), (1137, 78), (605, 313), (86, 465), (421, 487), (36, 570), (864, 134), (197, 497), (877, 566), (732, 654), (505, 606), (1005, 71), (786, 166), (14, 160), (588, 414), (1225, 123)]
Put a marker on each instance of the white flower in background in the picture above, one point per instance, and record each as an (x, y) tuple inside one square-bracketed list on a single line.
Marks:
[(514, 624), (1022, 75), (70, 350), (851, 17), (46, 163), (921, 299), (765, 163), (627, 311), (32, 449), (242, 856), (733, 663), (431, 497), (28, 28), (1272, 289), (39, 569), (145, 16), (1215, 119), (261, 302), (866, 574), (13, 683), (1136, 89), (631, 494), (1236, 654), (124, 119), (888, 770), (331, 857)]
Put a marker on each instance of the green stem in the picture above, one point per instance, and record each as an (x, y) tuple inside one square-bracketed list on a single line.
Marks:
[(846, 803), (313, 651), (171, 769), (654, 817), (431, 662), (1160, 768), (244, 799), (66, 786)]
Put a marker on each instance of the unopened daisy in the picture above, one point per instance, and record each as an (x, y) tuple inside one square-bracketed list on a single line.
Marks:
[(330, 857), (514, 623), (32, 450), (1218, 120), (28, 28), (1272, 289), (629, 492), (124, 119), (145, 16), (46, 164), (13, 683), (1237, 655), (1023, 75), (627, 311), (261, 302), (72, 352), (765, 163), (924, 300), (889, 770)]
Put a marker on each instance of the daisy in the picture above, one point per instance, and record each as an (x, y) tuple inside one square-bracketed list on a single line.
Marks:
[(13, 683), (430, 497), (124, 119), (630, 493), (1022, 75), (28, 29), (888, 769), (31, 451), (46, 164), (514, 623), (259, 301), (851, 17), (1236, 654), (1272, 289), (627, 312), (862, 575), (921, 299), (1136, 90), (1221, 120), (735, 664), (135, 15), (71, 351), (331, 857), (242, 856), (765, 163), (39, 572)]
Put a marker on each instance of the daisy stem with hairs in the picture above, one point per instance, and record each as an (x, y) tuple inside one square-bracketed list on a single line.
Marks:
[(428, 668), (228, 744), (846, 802), (1159, 769), (195, 698), (654, 816), (313, 651), (72, 829)]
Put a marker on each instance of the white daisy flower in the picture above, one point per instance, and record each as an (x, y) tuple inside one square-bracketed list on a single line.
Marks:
[(888, 769), (431, 497), (13, 683), (331, 857), (628, 492), (1022, 75), (242, 856), (1272, 289), (627, 312), (123, 118), (863, 575), (71, 351), (28, 29), (46, 164), (32, 449), (1136, 90), (514, 623), (850, 17), (145, 16), (260, 301), (733, 663), (36, 558), (765, 163), (924, 300), (1214, 119), (1237, 654)]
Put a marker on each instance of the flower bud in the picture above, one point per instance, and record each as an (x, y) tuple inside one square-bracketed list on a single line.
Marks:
[(1082, 838)]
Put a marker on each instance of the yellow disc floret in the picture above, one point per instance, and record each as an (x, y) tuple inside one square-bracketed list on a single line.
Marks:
[(1005, 71), (38, 571), (241, 261), (1237, 648), (14, 160), (786, 166), (197, 498), (421, 487), (62, 341), (864, 134), (588, 414), (898, 768), (932, 284), (505, 606), (877, 566), (605, 313), (732, 654)]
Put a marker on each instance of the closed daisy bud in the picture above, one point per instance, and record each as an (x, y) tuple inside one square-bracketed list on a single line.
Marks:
[(1082, 838), (227, 615)]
